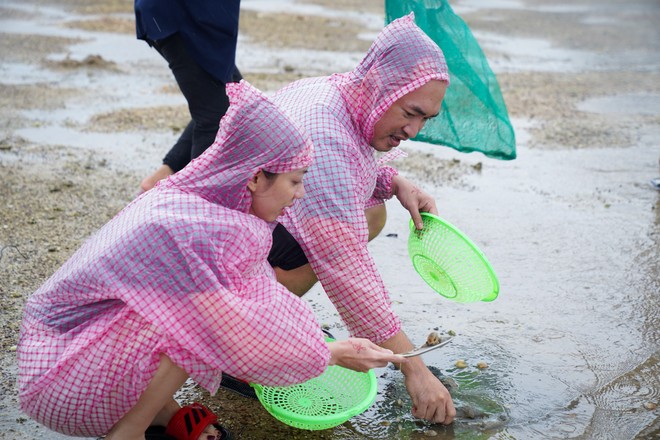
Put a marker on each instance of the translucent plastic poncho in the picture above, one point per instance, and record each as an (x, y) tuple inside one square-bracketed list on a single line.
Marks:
[(181, 271), (339, 112)]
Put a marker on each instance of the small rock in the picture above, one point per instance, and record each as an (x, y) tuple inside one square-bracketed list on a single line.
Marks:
[(650, 406), (468, 412), (460, 363), (482, 365), (451, 333), (430, 433), (449, 383)]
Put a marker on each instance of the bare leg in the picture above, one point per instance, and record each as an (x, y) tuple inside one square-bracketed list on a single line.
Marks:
[(156, 405), (151, 180), (298, 280), (376, 218), (301, 279)]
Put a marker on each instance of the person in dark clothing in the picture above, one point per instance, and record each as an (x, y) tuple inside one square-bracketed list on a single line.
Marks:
[(198, 40)]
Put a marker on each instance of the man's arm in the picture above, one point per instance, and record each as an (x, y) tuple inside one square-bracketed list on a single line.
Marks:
[(430, 398)]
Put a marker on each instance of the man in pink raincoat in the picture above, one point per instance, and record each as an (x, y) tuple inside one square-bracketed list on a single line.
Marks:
[(177, 286), (386, 99)]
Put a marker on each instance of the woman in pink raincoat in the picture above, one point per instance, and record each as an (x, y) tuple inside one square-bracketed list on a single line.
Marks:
[(177, 286)]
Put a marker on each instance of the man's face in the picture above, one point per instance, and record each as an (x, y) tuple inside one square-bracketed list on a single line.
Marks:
[(406, 117)]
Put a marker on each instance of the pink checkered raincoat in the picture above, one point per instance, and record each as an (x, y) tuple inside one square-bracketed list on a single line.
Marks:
[(339, 112), (182, 271)]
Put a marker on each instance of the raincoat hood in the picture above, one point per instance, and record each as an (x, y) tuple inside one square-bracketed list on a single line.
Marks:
[(254, 135), (400, 60)]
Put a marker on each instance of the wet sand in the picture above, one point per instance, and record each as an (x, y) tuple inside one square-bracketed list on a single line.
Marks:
[(571, 226)]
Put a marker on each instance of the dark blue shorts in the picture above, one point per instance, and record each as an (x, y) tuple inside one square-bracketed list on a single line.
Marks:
[(285, 253)]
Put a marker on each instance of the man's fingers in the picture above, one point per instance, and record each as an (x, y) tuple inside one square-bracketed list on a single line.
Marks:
[(417, 411), (432, 414), (450, 414), (429, 206), (444, 415), (424, 412), (439, 416), (432, 209), (417, 219)]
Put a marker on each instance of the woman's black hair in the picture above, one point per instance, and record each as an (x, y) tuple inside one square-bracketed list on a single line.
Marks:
[(269, 175)]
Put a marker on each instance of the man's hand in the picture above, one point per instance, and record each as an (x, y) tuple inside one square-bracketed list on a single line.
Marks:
[(413, 199), (430, 399)]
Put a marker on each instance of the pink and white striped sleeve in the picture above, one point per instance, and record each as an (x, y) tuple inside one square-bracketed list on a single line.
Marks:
[(330, 224)]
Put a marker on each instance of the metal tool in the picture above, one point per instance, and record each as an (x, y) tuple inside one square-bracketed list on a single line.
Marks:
[(426, 348)]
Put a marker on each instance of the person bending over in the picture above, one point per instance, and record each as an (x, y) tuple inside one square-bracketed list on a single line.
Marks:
[(177, 286), (387, 98)]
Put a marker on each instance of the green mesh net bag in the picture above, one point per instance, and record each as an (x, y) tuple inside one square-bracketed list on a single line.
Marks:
[(474, 116)]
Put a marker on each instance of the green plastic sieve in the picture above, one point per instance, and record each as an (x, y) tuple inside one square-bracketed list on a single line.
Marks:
[(450, 263), (323, 402)]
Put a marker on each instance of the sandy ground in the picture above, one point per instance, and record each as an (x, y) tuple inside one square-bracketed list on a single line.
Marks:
[(79, 130)]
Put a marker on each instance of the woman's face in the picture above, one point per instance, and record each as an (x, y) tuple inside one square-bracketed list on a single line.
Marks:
[(271, 195)]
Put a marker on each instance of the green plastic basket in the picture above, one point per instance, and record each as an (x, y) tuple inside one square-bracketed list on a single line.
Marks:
[(450, 263), (323, 402)]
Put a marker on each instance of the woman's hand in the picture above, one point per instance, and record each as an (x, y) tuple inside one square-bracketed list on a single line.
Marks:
[(361, 355), (413, 199)]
